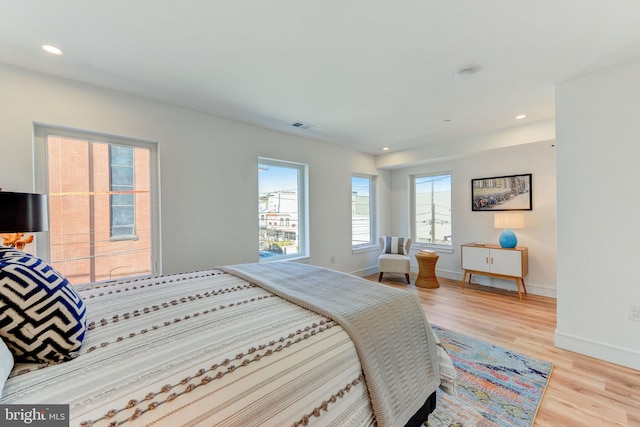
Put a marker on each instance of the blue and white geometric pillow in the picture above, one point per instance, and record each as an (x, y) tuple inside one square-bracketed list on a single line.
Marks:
[(42, 318), (8, 252)]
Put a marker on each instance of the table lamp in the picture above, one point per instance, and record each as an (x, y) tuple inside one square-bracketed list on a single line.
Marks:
[(22, 212), (508, 222)]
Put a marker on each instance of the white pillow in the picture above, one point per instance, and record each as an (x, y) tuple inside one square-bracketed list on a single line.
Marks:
[(6, 364)]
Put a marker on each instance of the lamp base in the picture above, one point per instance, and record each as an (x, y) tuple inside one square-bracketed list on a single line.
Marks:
[(508, 239)]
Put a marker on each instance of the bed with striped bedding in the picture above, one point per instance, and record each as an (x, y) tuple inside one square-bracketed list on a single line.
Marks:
[(205, 348)]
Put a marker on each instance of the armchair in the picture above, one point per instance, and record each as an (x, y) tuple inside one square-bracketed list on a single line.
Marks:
[(394, 256)]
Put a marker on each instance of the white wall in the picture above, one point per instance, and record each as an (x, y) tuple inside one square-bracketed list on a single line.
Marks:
[(208, 169), (598, 135), (539, 235)]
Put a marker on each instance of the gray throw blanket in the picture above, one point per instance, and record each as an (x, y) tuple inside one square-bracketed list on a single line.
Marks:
[(388, 327)]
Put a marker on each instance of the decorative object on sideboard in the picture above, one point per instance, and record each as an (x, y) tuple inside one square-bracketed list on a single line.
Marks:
[(508, 222), (502, 193), (20, 213)]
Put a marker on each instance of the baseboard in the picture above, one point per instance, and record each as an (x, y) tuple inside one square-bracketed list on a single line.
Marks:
[(603, 351), (447, 274)]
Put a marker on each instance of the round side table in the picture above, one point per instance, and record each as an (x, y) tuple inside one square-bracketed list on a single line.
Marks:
[(427, 270)]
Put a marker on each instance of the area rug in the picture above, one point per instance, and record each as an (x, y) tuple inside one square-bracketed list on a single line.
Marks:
[(496, 386)]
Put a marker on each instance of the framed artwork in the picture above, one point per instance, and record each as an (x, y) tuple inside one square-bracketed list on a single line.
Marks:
[(501, 193)]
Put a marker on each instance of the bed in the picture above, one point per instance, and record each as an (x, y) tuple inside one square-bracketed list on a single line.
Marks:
[(275, 344)]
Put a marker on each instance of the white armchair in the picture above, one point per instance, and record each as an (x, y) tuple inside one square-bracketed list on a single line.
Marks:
[(394, 256)]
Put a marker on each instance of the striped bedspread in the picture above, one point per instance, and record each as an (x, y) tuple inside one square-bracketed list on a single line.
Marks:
[(395, 343), (205, 348)]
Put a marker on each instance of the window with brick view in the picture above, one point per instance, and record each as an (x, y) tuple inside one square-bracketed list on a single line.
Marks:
[(100, 209)]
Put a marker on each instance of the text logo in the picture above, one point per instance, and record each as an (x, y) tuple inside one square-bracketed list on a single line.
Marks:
[(34, 415)]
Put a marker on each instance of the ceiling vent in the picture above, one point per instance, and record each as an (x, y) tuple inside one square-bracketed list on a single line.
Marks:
[(300, 125), (465, 74)]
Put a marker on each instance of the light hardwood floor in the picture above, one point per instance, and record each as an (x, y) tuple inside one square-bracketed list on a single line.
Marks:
[(582, 391)]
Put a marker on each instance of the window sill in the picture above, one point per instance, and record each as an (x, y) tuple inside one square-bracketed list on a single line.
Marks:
[(297, 258), (122, 238), (365, 248)]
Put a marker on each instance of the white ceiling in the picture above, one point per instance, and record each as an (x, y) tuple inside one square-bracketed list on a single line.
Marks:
[(366, 74)]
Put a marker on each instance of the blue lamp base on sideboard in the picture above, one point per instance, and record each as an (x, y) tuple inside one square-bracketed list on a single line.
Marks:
[(508, 238)]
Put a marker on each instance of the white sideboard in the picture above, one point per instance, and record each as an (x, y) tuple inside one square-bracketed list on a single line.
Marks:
[(495, 261)]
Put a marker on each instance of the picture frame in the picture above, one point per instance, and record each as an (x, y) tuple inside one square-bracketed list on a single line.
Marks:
[(502, 193)]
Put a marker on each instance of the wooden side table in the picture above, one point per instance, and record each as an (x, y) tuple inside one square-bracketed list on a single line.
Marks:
[(495, 261), (427, 270)]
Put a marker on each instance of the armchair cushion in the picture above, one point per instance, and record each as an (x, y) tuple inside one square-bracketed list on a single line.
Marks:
[(395, 245), (394, 263)]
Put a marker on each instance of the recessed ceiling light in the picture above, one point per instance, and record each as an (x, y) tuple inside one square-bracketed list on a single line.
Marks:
[(51, 49), (385, 149), (521, 116)]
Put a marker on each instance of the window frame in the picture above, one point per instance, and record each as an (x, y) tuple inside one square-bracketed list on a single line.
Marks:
[(303, 207), (372, 212), (439, 247), (41, 184)]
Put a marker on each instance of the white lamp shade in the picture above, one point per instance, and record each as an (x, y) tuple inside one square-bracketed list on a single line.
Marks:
[(508, 220)]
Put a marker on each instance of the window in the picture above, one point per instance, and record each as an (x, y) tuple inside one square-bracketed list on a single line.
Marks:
[(282, 204), (431, 196), (102, 190), (122, 199), (362, 208)]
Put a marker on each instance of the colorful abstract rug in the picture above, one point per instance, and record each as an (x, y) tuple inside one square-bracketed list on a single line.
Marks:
[(496, 386)]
